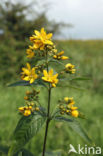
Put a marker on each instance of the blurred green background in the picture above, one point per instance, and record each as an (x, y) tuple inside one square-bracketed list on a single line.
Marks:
[(86, 55)]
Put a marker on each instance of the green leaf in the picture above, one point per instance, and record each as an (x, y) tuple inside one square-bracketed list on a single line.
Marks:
[(74, 79), (77, 128), (61, 118), (5, 149), (56, 61), (42, 61), (26, 83), (19, 83), (70, 86), (80, 78), (26, 128), (26, 153), (82, 116)]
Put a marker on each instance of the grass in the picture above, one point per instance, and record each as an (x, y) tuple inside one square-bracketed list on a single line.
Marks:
[(87, 56)]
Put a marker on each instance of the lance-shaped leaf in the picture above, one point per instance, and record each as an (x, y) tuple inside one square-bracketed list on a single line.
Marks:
[(26, 83), (26, 128), (61, 118), (80, 78), (77, 128), (74, 79), (70, 86)]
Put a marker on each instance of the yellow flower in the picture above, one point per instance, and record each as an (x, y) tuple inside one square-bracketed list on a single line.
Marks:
[(29, 74), (55, 50), (30, 107), (25, 107), (75, 113), (61, 106), (27, 112), (28, 92), (21, 109), (26, 97), (60, 57), (40, 39), (66, 99), (73, 108), (37, 108), (64, 57), (49, 77), (71, 101), (67, 111), (70, 68), (30, 53)]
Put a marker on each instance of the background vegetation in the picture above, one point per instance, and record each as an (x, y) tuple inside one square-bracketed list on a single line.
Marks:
[(86, 55)]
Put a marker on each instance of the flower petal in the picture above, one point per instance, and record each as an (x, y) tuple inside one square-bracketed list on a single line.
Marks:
[(45, 73), (32, 80), (28, 66), (26, 78), (37, 32), (43, 32), (51, 72), (49, 36)]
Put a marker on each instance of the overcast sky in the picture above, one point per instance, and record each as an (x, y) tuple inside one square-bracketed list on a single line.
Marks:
[(85, 15)]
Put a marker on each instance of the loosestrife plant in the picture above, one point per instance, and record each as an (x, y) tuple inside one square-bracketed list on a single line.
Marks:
[(42, 53)]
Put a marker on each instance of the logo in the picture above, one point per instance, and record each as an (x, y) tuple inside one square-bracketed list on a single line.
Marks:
[(84, 150)]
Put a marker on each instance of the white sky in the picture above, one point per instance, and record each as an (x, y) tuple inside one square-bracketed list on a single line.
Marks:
[(85, 15)]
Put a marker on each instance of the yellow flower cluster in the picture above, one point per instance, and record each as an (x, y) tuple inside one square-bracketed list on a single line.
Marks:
[(59, 56), (28, 110), (49, 77), (31, 95), (41, 39), (69, 68), (30, 53), (29, 74), (44, 51), (66, 107), (31, 106)]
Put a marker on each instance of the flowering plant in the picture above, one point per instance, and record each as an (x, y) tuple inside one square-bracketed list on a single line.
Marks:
[(38, 72)]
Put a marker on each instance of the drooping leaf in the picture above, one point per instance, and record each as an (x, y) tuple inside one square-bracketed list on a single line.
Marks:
[(26, 83), (26, 128), (77, 128)]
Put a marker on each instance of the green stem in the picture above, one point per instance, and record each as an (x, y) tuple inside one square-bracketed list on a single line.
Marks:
[(47, 122)]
